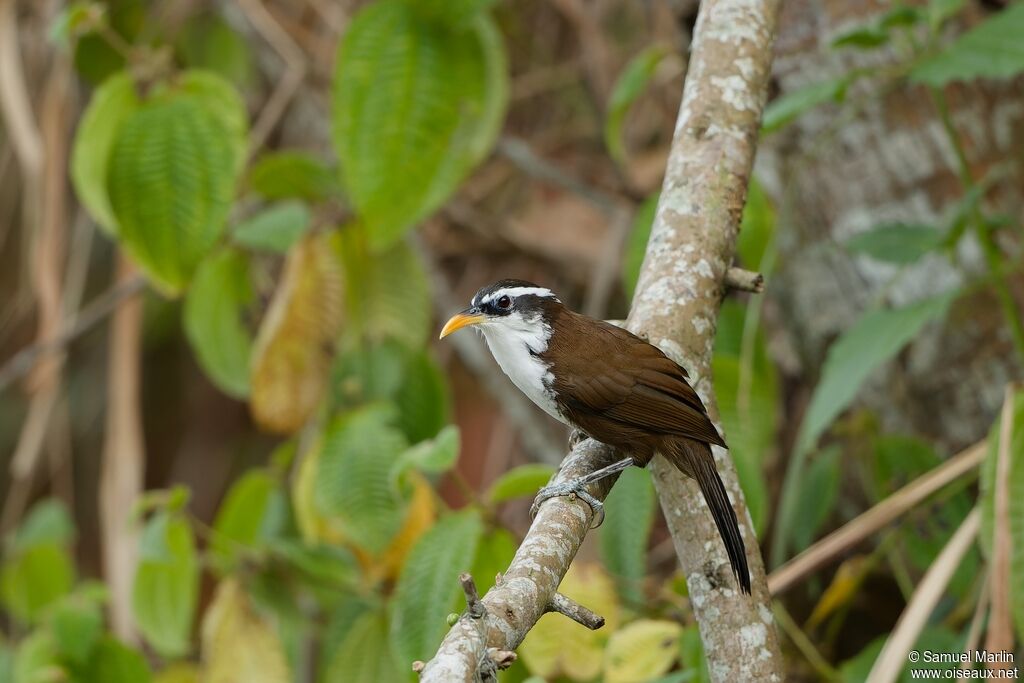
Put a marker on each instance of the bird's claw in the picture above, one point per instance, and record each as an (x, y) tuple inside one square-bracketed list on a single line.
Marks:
[(575, 489)]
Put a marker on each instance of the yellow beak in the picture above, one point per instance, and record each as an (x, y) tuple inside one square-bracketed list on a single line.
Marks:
[(460, 320)]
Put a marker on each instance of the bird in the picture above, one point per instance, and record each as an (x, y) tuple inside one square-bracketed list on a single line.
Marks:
[(607, 383)]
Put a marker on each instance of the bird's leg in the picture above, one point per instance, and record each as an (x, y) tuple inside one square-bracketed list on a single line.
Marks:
[(578, 487)]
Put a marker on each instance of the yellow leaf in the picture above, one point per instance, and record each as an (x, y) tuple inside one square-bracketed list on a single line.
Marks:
[(419, 517), (557, 645), (313, 525), (641, 651), (294, 346), (239, 646), (178, 673), (844, 586)]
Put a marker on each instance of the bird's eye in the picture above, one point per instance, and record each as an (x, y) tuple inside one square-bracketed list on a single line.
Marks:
[(504, 303)]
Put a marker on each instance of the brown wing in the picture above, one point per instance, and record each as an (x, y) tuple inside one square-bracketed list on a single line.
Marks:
[(616, 376)]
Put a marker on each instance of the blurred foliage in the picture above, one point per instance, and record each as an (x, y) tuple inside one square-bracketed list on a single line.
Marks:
[(303, 297)]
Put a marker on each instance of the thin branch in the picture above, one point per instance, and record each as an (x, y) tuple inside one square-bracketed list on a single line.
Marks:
[(473, 606), (98, 309), (893, 657), (568, 607), (856, 530), (744, 280)]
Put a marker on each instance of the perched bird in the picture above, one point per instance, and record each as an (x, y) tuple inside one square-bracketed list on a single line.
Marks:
[(607, 383)]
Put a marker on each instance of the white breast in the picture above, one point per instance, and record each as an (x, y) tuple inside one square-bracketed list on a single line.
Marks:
[(511, 347)]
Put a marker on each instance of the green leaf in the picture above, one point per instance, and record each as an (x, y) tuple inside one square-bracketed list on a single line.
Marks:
[(497, 548), (422, 400), (111, 105), (819, 488), (897, 243), (427, 586), (275, 228), (900, 459), (520, 481), (214, 317), (629, 516), (394, 295), (171, 181), (783, 110), (367, 373), (431, 456), (1016, 502), (636, 243), (416, 106), (863, 37), (354, 477), (363, 655), (992, 49), (871, 342), (47, 522), (691, 653), (242, 518), (293, 175), (34, 579), (165, 590), (901, 16), (628, 87), (76, 624), (113, 662)]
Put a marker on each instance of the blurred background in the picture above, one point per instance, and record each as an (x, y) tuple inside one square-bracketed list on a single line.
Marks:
[(232, 450)]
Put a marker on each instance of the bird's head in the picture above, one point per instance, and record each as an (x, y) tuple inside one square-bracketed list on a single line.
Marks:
[(512, 306)]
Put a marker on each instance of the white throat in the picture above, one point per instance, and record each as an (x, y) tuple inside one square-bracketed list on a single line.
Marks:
[(511, 341)]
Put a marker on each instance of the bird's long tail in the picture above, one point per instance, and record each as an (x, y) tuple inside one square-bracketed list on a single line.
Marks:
[(694, 458)]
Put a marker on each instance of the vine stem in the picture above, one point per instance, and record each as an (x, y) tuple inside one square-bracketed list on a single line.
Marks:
[(993, 257)]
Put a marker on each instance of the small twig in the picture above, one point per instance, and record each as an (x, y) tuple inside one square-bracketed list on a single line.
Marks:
[(473, 605), (418, 666), (566, 606), (863, 526), (744, 280), (98, 309)]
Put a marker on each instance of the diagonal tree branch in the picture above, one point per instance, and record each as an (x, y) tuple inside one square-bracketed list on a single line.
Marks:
[(676, 305)]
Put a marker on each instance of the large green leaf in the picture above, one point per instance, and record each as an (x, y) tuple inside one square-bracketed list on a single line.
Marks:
[(1016, 491), (166, 585), (992, 49), (354, 481), (111, 105), (417, 104), (36, 660), (628, 87), (242, 517), (629, 515), (428, 585), (897, 242), (431, 456), (171, 181), (214, 317), (873, 340), (76, 623), (819, 487), (393, 295), (363, 656), (33, 579), (275, 228)]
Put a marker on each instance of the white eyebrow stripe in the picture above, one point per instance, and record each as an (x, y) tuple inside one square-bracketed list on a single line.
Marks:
[(519, 291)]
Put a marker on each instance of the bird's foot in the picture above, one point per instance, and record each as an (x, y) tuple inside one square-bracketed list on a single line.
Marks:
[(576, 488)]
